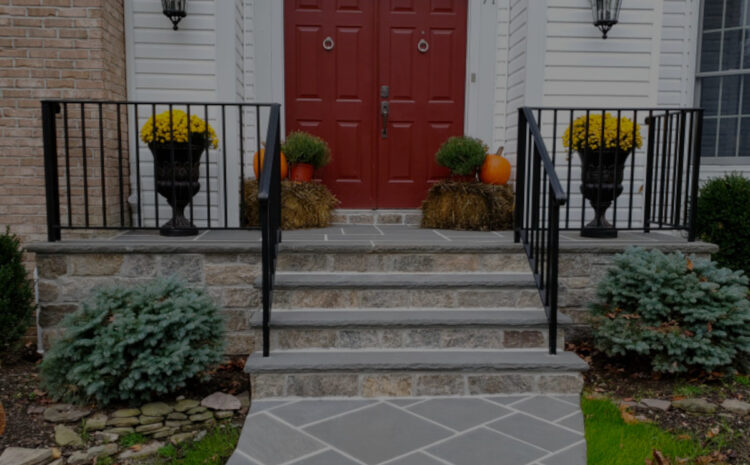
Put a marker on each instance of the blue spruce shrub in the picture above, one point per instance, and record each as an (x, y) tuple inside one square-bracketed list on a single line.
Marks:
[(16, 293), (680, 313), (134, 344)]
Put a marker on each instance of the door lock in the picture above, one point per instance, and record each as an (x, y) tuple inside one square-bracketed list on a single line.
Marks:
[(384, 110)]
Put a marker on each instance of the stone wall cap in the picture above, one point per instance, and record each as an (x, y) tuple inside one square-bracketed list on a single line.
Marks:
[(142, 247)]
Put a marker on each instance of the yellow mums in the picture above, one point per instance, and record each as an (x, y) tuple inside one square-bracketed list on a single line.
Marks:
[(179, 128), (581, 140)]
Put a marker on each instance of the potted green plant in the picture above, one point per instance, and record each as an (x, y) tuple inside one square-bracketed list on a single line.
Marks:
[(462, 155), (305, 153)]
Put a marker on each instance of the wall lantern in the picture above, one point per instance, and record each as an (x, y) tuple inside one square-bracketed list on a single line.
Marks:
[(605, 13), (174, 10)]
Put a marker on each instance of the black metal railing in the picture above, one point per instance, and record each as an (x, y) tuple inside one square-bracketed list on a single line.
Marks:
[(539, 197), (269, 199), (100, 175), (659, 178), (654, 188)]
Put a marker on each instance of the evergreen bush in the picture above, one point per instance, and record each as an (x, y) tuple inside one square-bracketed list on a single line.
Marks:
[(16, 292), (302, 147), (680, 313), (462, 155), (134, 344), (724, 219)]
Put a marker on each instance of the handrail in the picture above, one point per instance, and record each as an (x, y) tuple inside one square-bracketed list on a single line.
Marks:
[(269, 202), (539, 191), (549, 167)]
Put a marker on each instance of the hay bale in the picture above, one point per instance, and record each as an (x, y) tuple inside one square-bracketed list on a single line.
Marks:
[(468, 206), (303, 204)]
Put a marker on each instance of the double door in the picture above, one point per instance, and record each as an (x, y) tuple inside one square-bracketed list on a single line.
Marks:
[(383, 82)]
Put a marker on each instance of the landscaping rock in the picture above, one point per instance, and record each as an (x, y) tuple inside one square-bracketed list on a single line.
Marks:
[(657, 404), (156, 409), (85, 457), (176, 423), (695, 405), (166, 432), (36, 409), (122, 431), (150, 428), (177, 416), (201, 417), (59, 461), (180, 437), (123, 421), (221, 401), (144, 451), (65, 413), (126, 413), (65, 436), (96, 422), (23, 456), (185, 404), (148, 420), (224, 414), (196, 410), (200, 435), (735, 406), (244, 398), (105, 437)]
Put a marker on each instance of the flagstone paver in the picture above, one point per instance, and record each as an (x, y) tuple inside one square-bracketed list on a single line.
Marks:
[(479, 430)]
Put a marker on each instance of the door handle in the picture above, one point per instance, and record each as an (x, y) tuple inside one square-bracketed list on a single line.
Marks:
[(384, 110)]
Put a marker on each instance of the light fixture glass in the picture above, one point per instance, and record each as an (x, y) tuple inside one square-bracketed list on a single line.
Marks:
[(606, 13), (174, 10)]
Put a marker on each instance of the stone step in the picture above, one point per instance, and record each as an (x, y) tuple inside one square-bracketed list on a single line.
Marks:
[(413, 372), (388, 259), (397, 290), (409, 328), (370, 280)]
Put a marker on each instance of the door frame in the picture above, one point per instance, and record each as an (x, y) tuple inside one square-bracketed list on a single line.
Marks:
[(480, 71)]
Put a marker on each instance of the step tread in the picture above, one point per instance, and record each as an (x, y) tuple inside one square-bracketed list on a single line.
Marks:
[(407, 317), (287, 280), (341, 360)]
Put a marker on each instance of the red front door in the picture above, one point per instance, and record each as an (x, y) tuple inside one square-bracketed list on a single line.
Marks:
[(346, 59)]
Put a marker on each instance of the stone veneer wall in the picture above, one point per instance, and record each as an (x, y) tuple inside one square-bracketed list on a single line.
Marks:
[(68, 274), (65, 280)]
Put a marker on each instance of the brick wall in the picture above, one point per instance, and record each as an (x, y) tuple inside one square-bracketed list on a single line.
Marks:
[(55, 49)]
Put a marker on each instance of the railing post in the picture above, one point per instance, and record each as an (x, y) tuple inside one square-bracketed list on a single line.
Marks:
[(649, 175), (554, 247), (520, 175), (696, 177), (51, 184)]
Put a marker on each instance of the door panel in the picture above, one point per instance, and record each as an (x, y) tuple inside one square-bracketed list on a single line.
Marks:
[(330, 93), (427, 99), (335, 94)]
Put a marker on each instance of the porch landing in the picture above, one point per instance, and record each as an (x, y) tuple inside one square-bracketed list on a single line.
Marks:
[(480, 430), (391, 236)]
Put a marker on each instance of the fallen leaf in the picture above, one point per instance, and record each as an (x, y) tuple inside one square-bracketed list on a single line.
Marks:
[(689, 264), (136, 447), (628, 399), (627, 417), (684, 437), (56, 453), (713, 432)]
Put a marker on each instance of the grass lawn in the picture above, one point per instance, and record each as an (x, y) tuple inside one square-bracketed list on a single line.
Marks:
[(611, 441)]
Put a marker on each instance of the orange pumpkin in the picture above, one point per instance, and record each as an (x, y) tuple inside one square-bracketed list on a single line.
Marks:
[(495, 169), (258, 164)]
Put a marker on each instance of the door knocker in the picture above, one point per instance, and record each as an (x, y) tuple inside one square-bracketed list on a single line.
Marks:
[(328, 44), (423, 46)]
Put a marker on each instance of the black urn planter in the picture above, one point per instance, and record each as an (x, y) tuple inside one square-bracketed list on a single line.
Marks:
[(601, 176), (177, 170)]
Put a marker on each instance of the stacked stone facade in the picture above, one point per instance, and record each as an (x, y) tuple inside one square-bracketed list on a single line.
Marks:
[(56, 49)]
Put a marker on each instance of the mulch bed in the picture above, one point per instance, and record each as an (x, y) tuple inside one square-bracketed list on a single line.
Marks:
[(628, 382), (24, 401)]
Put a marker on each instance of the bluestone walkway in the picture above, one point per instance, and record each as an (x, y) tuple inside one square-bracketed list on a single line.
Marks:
[(479, 430)]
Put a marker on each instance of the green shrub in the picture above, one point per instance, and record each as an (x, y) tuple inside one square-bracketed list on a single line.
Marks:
[(462, 155), (302, 147), (724, 219), (680, 313), (16, 294), (134, 344)]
